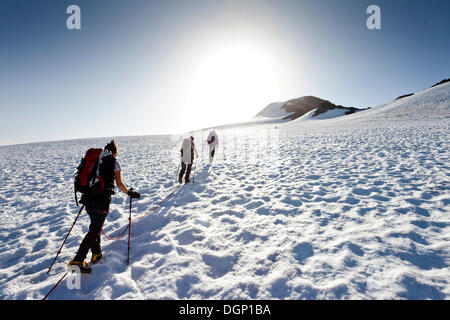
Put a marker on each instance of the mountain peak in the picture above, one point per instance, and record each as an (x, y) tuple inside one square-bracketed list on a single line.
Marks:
[(295, 108)]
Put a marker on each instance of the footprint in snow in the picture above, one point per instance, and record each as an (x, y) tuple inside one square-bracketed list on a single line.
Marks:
[(361, 191), (185, 284), (219, 266), (189, 236), (303, 251)]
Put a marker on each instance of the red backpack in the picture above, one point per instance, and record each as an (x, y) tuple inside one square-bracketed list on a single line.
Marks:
[(86, 179)]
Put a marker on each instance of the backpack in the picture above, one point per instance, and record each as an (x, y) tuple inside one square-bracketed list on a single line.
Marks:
[(186, 151), (213, 138), (90, 178)]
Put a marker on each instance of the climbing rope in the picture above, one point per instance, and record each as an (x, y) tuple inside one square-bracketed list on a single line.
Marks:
[(159, 204), (151, 210), (120, 236)]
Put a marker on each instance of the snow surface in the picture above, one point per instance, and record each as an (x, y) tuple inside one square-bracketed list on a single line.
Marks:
[(348, 208), (273, 111), (329, 114)]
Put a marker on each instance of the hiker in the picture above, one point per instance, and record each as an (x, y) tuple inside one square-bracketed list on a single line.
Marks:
[(213, 142), (97, 206), (187, 159)]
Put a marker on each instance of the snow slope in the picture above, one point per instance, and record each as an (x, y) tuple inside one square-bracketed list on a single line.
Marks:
[(432, 103), (272, 111), (333, 113), (299, 108), (348, 208)]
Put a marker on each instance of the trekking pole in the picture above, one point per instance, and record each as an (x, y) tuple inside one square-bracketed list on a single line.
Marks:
[(59, 251), (53, 288), (129, 233)]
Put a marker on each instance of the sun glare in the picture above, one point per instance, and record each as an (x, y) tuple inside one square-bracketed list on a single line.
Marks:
[(233, 82)]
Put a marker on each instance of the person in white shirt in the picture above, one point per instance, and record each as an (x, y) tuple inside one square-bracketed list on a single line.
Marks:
[(187, 159), (213, 142)]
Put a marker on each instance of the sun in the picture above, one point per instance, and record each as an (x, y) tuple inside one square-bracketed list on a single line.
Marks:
[(232, 82)]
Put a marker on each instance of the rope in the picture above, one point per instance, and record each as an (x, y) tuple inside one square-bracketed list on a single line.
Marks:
[(158, 205), (133, 221), (114, 239)]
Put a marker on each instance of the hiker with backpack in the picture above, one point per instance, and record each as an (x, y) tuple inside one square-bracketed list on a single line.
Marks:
[(187, 159), (97, 173), (213, 142)]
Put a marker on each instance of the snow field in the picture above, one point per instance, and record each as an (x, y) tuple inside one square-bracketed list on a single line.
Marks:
[(326, 209)]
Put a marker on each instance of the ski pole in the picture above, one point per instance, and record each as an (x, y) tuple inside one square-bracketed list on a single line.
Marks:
[(59, 251), (129, 233)]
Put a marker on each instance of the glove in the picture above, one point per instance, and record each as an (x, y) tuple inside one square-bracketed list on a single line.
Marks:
[(83, 199), (133, 194)]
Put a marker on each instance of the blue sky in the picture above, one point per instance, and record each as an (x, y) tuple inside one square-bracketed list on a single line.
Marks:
[(162, 67)]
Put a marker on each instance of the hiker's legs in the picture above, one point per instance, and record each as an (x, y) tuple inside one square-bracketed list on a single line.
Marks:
[(96, 247), (91, 240), (188, 172), (180, 176), (212, 151)]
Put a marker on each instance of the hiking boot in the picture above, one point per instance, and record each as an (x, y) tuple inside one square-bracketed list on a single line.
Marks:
[(96, 258), (187, 180), (83, 266)]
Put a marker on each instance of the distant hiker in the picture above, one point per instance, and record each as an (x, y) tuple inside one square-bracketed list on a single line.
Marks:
[(213, 142), (97, 203), (187, 159)]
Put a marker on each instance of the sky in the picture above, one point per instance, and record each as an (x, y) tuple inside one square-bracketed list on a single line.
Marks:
[(166, 67)]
